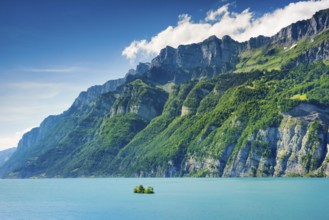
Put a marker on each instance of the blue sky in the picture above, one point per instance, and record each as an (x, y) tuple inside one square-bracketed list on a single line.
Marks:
[(51, 50)]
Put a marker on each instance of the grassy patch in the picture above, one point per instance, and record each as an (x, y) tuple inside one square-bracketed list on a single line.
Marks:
[(300, 97)]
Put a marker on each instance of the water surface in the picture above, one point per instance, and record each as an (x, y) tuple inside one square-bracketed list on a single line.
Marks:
[(176, 198)]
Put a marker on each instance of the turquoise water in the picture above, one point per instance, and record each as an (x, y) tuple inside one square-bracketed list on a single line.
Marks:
[(181, 198)]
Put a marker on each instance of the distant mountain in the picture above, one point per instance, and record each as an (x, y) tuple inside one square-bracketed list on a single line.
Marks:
[(215, 108), (6, 154)]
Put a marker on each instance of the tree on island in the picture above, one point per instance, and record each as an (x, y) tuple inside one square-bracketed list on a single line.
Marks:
[(141, 189), (149, 190)]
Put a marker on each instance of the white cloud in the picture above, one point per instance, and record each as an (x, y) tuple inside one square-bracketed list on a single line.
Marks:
[(270, 23), (222, 21), (214, 15)]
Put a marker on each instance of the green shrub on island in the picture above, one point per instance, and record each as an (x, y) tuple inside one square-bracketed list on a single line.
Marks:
[(141, 189), (149, 190)]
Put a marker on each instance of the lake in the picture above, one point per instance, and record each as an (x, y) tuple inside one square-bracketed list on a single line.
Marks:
[(175, 198)]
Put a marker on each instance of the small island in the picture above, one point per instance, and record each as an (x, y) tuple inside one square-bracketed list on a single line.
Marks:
[(142, 190)]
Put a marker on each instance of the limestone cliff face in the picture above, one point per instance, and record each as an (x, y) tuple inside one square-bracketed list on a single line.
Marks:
[(215, 56), (140, 98), (37, 135), (209, 58), (302, 29), (302, 143), (256, 42), (222, 53), (6, 154), (90, 96), (298, 147), (193, 99), (80, 108), (321, 52), (141, 69), (95, 102)]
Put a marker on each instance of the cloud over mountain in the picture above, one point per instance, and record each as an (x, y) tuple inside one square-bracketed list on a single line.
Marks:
[(241, 26)]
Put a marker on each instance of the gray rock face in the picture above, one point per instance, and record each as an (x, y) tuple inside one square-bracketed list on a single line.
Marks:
[(256, 42), (207, 59), (211, 52), (139, 98), (165, 58), (221, 55), (58, 127), (294, 32), (36, 135), (6, 154), (169, 171), (302, 29), (303, 139), (141, 69), (298, 147), (321, 52), (90, 96), (82, 105)]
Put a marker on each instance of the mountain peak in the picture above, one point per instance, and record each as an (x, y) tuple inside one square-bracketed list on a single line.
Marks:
[(212, 38), (322, 13), (302, 29), (227, 38), (210, 52)]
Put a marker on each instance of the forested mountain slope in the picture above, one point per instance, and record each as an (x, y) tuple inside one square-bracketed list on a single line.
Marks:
[(216, 108)]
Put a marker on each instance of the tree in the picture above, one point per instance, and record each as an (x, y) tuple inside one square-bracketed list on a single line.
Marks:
[(149, 190), (139, 189)]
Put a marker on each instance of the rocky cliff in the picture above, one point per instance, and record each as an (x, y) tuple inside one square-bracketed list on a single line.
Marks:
[(141, 99), (296, 148), (221, 53), (302, 29), (211, 57), (6, 154), (90, 96)]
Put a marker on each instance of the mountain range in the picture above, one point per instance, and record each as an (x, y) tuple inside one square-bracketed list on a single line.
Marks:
[(218, 108)]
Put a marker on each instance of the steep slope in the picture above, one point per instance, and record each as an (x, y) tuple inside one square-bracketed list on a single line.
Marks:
[(128, 116), (243, 127), (55, 129), (188, 61), (279, 57), (88, 136), (216, 108), (244, 134), (302, 29), (6, 154)]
